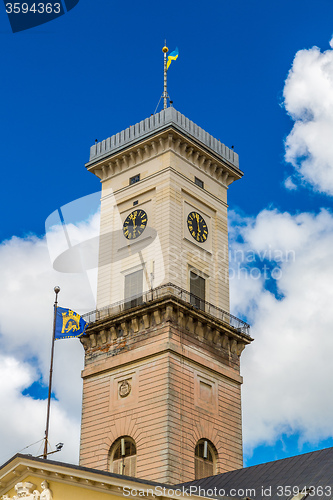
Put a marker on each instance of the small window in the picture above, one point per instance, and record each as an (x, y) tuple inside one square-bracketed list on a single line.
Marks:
[(133, 289), (134, 179), (199, 182), (197, 291), (123, 457), (205, 459), (135, 202)]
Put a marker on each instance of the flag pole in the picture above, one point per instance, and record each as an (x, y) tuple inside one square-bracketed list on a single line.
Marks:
[(56, 290), (165, 93)]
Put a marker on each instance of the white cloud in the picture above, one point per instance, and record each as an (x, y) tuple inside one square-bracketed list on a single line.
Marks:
[(22, 419), (26, 316), (288, 369), (308, 99), (289, 184)]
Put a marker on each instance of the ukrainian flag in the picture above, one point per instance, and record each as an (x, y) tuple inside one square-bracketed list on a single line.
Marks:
[(172, 57)]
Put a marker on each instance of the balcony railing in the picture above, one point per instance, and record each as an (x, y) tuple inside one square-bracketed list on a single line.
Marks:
[(163, 291)]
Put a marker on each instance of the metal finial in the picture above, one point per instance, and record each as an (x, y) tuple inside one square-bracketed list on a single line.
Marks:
[(56, 289), (165, 92)]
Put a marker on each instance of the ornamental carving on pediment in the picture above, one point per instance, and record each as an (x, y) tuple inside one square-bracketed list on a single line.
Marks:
[(28, 491)]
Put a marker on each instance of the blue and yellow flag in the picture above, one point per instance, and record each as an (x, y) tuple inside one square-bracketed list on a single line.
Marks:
[(69, 324), (172, 57)]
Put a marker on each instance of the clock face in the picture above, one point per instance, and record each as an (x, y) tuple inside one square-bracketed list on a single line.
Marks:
[(134, 225), (197, 227)]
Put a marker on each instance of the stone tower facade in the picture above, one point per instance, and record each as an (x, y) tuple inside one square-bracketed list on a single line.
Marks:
[(161, 383)]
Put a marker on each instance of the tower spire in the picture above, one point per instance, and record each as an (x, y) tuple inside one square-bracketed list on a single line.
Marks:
[(165, 92)]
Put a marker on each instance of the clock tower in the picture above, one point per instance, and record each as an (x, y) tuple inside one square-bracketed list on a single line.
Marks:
[(161, 383)]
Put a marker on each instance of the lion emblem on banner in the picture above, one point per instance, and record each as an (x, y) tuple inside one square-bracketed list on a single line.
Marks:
[(70, 321)]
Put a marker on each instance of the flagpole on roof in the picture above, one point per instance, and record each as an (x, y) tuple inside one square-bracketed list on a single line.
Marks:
[(56, 290), (165, 93)]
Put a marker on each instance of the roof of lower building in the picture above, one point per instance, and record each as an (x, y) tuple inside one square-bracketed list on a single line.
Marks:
[(48, 464), (278, 480)]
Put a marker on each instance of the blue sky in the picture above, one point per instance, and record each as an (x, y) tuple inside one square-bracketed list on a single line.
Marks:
[(97, 70)]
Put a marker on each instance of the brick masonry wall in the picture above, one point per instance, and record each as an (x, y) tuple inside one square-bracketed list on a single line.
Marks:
[(182, 389)]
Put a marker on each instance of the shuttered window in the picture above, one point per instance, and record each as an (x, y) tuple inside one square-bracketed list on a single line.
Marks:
[(133, 289), (205, 458), (123, 457), (197, 290)]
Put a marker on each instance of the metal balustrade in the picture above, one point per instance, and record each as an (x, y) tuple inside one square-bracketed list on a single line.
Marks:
[(164, 291)]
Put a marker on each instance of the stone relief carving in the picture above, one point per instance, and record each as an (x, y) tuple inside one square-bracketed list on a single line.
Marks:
[(124, 389), (28, 491)]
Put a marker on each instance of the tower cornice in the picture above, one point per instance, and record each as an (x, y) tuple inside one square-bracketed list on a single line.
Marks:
[(167, 131), (129, 329)]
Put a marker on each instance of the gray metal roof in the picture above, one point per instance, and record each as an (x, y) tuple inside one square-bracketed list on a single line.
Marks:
[(310, 469), (167, 118)]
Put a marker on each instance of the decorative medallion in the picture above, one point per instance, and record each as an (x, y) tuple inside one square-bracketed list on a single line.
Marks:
[(134, 225), (124, 389)]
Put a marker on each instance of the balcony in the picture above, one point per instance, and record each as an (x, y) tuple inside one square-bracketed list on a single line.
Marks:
[(162, 292)]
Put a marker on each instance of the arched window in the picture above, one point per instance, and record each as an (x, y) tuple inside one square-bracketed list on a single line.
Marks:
[(123, 456), (205, 459)]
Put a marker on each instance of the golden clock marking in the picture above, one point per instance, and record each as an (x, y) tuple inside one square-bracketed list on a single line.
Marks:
[(197, 227), (134, 224)]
